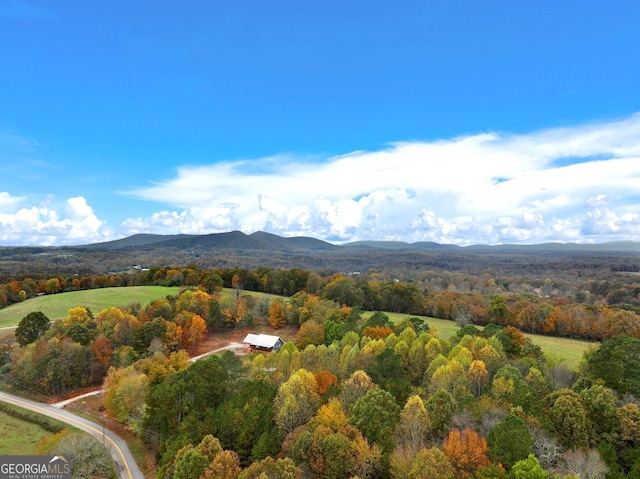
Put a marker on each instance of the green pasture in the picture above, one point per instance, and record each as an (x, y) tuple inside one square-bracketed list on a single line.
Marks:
[(229, 294), (569, 350), (55, 306), (18, 436)]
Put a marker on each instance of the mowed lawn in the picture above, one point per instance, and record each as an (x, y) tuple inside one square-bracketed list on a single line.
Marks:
[(19, 437), (570, 350), (56, 306)]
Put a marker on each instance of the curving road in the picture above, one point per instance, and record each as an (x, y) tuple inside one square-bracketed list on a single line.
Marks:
[(126, 467)]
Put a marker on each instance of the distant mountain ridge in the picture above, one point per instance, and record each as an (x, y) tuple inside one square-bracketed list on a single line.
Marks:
[(263, 241), (235, 249), (259, 241)]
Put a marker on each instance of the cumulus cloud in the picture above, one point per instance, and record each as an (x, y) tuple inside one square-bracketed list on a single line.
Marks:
[(572, 184), (563, 184), (43, 226)]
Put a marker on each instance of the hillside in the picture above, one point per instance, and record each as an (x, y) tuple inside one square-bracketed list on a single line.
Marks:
[(237, 249)]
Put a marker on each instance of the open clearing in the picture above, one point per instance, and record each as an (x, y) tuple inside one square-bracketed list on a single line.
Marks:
[(570, 350), (19, 437), (55, 306)]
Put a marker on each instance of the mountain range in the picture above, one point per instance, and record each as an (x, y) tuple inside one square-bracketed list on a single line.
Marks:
[(263, 241), (237, 249)]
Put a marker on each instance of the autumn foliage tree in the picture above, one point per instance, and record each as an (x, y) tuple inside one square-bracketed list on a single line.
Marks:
[(414, 426), (296, 401), (431, 464), (277, 314), (466, 451)]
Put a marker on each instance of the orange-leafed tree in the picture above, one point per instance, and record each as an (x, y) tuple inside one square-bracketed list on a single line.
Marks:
[(277, 314), (466, 451), (377, 332), (102, 350), (192, 329), (325, 380)]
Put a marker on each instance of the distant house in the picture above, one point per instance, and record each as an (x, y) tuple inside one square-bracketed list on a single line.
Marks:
[(263, 342)]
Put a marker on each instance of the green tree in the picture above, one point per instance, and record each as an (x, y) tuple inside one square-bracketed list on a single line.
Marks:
[(31, 327), (498, 310), (376, 415), (212, 283), (244, 418), (187, 396), (601, 405), (509, 441), (529, 468), (617, 363), (190, 463), (388, 373), (441, 407), (569, 419), (344, 290)]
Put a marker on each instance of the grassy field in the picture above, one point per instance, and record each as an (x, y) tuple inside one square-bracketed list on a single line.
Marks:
[(570, 350), (55, 306), (19, 437)]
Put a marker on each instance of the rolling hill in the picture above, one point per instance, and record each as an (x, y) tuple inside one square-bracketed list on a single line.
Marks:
[(237, 249)]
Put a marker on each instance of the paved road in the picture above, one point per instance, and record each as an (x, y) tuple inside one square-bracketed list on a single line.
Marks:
[(126, 467)]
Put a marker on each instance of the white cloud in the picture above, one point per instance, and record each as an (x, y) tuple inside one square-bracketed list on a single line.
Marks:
[(576, 184), (42, 225), (7, 201), (490, 187)]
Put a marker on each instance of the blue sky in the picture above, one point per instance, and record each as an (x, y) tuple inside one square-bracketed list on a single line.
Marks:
[(452, 121)]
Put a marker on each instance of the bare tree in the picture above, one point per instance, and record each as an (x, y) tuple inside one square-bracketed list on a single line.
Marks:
[(586, 464), (546, 448)]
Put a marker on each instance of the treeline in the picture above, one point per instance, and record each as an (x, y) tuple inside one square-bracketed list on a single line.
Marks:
[(597, 309)]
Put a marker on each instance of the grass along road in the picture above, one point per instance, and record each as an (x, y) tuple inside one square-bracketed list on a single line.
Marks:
[(126, 467), (18, 436)]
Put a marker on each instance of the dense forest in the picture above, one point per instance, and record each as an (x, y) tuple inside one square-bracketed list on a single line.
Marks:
[(350, 397)]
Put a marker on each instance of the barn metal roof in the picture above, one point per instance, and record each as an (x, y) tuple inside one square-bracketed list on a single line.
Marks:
[(261, 340)]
